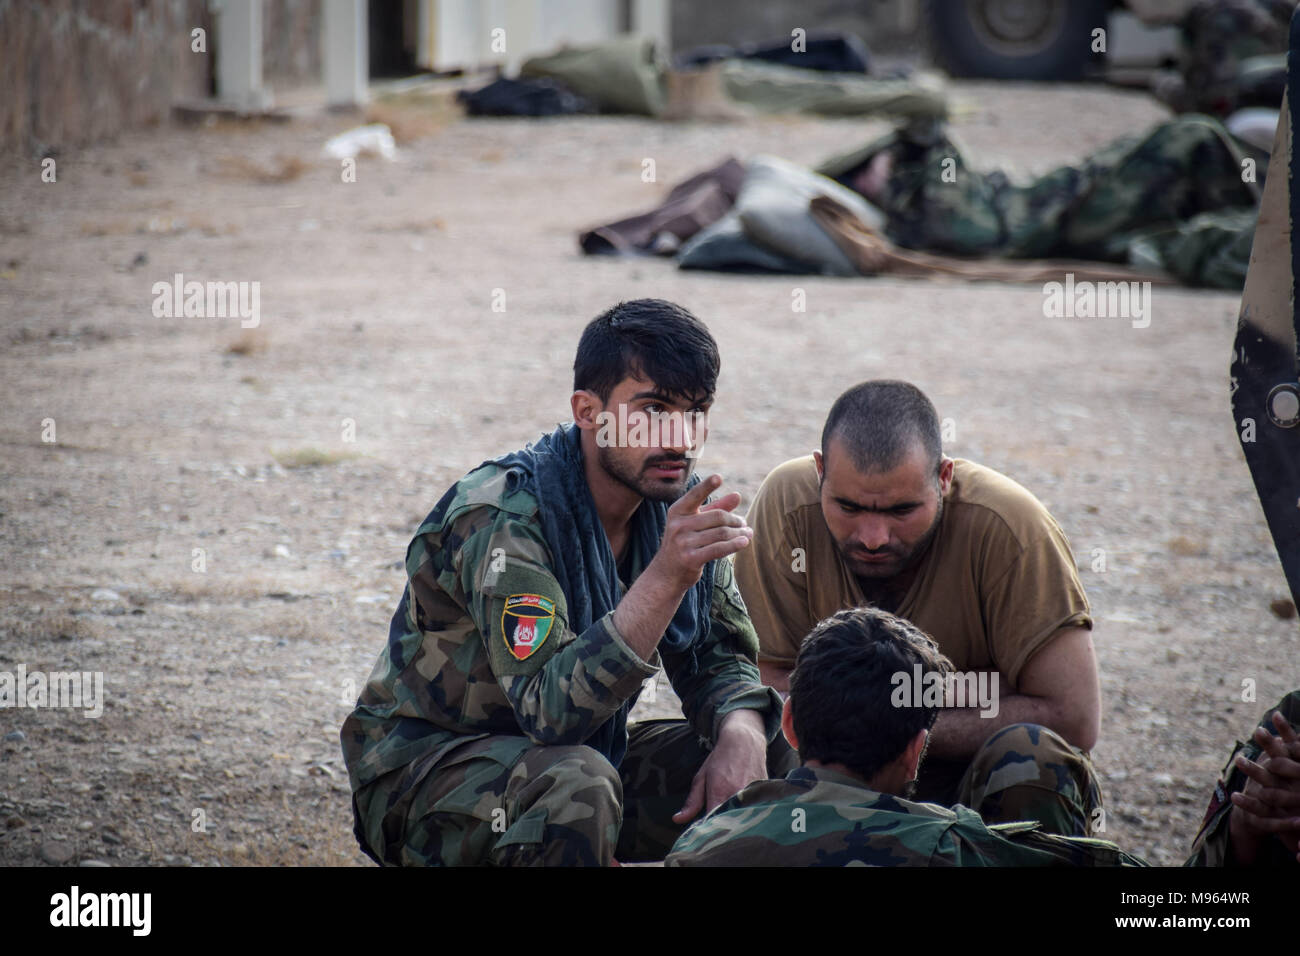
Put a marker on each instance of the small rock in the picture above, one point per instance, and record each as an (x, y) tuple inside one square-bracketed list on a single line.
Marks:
[(1186, 547), (1172, 654), (282, 551), (56, 852), (1163, 780), (95, 863), (1283, 608), (14, 822), (105, 594), (15, 736), (110, 836), (81, 788)]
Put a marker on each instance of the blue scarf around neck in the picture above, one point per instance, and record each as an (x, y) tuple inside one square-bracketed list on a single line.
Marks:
[(551, 469)]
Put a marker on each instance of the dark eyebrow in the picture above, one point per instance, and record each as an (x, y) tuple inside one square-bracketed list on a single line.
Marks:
[(656, 395), (667, 399), (900, 506)]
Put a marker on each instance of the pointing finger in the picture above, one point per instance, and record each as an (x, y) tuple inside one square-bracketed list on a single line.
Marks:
[(690, 502)]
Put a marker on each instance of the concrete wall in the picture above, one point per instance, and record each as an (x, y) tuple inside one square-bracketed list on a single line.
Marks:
[(291, 40), (462, 29), (76, 71)]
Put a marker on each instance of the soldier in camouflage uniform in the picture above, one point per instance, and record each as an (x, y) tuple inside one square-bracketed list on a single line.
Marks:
[(544, 589), (848, 804), (1177, 198)]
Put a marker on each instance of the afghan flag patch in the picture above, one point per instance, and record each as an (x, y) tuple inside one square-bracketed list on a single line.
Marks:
[(526, 623)]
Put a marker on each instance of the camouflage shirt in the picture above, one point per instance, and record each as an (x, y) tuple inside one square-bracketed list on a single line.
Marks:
[(819, 817), (480, 645)]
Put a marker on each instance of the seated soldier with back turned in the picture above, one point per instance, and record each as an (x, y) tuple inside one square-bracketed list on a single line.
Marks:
[(851, 800), (880, 517)]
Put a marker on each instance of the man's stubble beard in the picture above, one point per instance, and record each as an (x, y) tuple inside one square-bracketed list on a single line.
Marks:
[(912, 559), (637, 482)]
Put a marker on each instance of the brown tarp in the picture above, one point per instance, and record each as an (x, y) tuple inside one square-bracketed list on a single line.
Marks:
[(873, 254), (692, 205)]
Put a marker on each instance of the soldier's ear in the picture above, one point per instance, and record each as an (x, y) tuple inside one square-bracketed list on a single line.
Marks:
[(586, 407), (787, 724), (945, 475), (912, 755)]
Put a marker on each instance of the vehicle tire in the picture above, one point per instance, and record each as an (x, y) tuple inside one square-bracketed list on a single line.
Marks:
[(1014, 39)]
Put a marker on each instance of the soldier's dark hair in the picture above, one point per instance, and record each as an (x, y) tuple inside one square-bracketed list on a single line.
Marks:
[(651, 339), (842, 689), (878, 422)]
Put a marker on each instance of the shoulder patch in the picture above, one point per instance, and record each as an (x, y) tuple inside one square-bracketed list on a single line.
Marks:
[(526, 622)]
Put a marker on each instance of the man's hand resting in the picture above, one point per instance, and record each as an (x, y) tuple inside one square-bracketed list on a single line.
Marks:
[(738, 759)]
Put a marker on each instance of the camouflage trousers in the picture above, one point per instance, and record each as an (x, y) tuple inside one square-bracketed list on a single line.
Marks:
[(502, 800), (1212, 846), (1176, 198), (1022, 772), (1089, 210)]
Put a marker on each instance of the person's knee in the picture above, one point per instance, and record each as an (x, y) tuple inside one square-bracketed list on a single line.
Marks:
[(1029, 772), (1029, 754), (563, 806), (1036, 740)]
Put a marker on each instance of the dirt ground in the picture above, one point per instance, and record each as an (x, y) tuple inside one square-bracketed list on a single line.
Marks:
[(227, 670)]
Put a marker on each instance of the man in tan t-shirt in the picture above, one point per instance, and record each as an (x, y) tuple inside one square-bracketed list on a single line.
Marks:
[(880, 517)]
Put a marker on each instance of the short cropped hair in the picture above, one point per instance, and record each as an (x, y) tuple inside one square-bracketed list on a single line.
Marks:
[(842, 689), (651, 339), (878, 422)]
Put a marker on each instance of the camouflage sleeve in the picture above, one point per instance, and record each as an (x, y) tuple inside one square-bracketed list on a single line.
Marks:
[(562, 685), (725, 675)]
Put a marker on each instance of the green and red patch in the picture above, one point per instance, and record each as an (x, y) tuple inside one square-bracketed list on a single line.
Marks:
[(526, 623)]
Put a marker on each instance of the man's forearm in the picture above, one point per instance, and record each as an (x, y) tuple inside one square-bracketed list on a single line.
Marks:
[(960, 731), (646, 611), (742, 722)]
